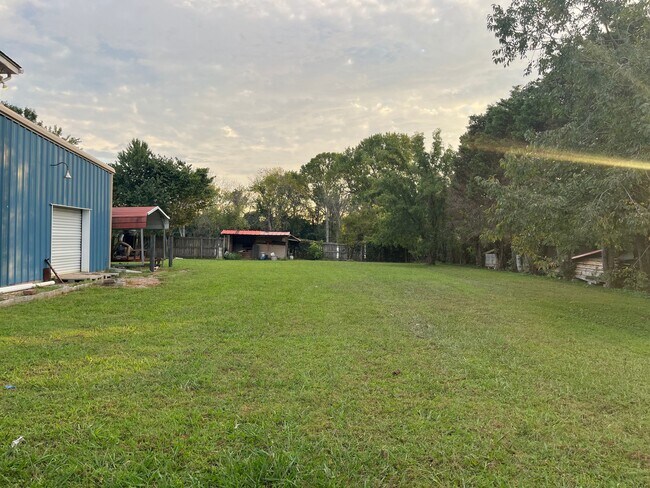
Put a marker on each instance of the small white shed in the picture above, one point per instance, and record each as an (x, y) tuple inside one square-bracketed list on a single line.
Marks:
[(491, 259)]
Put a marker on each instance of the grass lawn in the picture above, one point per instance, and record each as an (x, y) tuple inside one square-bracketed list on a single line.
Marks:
[(234, 373)]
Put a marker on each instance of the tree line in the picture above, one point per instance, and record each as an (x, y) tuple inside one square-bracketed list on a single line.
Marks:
[(558, 167)]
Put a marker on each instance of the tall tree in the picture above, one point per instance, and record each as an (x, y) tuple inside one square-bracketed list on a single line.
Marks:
[(399, 193), (412, 201), (227, 211), (143, 178), (328, 189), (547, 30), (596, 72), (374, 158), (280, 199), (509, 123)]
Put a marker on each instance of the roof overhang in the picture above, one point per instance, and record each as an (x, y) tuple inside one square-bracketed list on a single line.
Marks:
[(592, 253), (265, 233), (8, 66), (259, 233)]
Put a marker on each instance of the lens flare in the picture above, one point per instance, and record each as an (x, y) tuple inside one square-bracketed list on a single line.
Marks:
[(566, 156)]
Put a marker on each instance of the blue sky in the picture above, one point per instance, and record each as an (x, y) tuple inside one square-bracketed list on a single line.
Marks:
[(241, 85)]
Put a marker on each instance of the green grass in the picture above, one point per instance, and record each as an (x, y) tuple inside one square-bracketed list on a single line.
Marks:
[(328, 374)]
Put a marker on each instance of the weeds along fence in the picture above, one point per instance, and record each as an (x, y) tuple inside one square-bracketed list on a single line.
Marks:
[(194, 247), (332, 251), (364, 252)]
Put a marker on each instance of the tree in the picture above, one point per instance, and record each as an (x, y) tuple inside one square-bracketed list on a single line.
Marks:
[(398, 194), (142, 178), (510, 123), (363, 168), (374, 157), (412, 201), (280, 199), (31, 115), (328, 189), (359, 225), (552, 28), (596, 70), (227, 211)]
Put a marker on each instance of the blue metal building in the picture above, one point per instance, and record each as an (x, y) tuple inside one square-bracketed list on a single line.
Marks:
[(61, 213)]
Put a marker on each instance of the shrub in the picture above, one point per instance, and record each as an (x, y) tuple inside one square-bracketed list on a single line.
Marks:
[(311, 250), (629, 277), (566, 268), (232, 256), (314, 251)]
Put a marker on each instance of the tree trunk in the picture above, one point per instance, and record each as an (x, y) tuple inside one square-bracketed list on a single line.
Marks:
[(503, 255), (479, 253), (338, 227), (327, 225), (642, 253)]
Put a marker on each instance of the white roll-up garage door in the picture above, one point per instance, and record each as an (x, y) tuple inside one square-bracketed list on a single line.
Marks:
[(66, 240)]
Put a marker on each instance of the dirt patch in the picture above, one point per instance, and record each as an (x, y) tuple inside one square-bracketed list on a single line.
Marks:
[(147, 282), (641, 457)]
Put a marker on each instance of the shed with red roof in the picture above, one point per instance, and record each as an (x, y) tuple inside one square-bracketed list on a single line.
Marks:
[(252, 244)]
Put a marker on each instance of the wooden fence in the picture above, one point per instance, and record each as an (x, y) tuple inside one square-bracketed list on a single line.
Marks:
[(335, 252), (193, 247)]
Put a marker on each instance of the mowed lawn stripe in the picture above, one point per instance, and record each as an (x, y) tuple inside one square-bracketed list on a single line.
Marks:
[(328, 374)]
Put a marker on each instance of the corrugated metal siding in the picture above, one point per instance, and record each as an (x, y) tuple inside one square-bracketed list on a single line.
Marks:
[(29, 187)]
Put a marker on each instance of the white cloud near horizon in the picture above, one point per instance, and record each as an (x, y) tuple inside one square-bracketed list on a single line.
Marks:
[(239, 85)]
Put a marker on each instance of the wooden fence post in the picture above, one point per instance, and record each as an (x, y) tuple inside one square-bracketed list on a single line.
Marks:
[(152, 253), (171, 250)]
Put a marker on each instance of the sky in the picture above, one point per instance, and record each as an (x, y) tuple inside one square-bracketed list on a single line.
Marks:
[(242, 85)]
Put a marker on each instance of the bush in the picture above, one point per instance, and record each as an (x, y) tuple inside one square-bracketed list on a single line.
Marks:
[(232, 256), (315, 251), (629, 277), (566, 268), (311, 250)]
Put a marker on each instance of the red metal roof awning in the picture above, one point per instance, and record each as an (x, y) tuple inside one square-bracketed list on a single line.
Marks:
[(139, 218), (258, 233), (231, 232)]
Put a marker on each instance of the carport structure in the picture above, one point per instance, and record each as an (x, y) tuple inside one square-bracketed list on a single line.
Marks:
[(140, 218), (250, 244)]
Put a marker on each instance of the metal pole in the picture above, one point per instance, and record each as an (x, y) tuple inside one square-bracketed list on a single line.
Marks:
[(164, 246), (53, 270), (170, 254), (201, 247), (142, 246), (152, 253)]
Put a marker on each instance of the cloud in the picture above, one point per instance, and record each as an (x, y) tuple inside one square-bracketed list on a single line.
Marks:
[(229, 132), (294, 77)]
